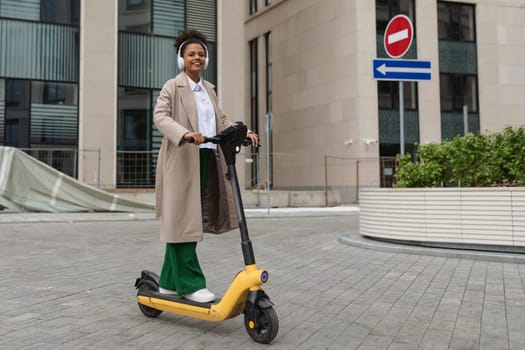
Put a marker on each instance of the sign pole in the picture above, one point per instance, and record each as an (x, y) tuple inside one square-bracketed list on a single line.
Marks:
[(401, 118), (465, 119)]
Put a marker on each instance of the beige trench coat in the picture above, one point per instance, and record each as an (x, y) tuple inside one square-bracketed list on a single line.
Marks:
[(177, 183)]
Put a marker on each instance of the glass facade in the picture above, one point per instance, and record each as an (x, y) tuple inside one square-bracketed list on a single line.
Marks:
[(388, 91), (457, 68), (49, 11), (39, 73), (147, 59), (39, 47)]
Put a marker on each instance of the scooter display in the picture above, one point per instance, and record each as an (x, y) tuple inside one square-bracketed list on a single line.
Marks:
[(244, 295)]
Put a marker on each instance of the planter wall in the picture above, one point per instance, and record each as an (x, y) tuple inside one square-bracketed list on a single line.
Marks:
[(476, 216)]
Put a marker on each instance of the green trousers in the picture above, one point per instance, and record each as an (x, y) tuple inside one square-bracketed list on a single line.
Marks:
[(181, 270)]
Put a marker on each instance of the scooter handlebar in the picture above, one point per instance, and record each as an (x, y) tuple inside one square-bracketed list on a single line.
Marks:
[(206, 140), (247, 141)]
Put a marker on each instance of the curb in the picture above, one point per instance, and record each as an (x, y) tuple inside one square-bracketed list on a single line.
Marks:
[(356, 240)]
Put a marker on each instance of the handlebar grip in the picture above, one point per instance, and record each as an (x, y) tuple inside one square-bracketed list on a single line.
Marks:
[(247, 141), (206, 139)]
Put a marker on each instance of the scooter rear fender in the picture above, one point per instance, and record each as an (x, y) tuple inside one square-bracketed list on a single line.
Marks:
[(148, 277)]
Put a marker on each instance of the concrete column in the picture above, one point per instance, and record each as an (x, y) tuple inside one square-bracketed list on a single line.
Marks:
[(230, 65), (98, 92), (428, 49)]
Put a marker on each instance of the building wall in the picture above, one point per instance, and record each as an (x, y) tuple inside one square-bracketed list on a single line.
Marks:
[(501, 48), (324, 93)]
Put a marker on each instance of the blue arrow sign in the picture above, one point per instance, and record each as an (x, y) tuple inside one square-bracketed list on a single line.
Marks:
[(402, 70)]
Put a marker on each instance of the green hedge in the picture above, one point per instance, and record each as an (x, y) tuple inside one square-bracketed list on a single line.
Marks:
[(468, 161)]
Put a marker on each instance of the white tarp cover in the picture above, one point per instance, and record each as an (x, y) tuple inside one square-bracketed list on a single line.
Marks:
[(27, 184)]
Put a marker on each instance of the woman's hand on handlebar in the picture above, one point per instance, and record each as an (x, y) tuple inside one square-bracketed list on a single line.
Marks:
[(253, 138), (195, 136)]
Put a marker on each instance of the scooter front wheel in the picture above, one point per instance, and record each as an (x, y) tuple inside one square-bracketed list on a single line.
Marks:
[(146, 310), (267, 325)]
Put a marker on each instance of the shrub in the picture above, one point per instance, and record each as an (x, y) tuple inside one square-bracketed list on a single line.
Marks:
[(468, 161)]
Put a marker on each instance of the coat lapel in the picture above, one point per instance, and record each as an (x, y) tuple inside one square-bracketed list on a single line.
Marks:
[(188, 101)]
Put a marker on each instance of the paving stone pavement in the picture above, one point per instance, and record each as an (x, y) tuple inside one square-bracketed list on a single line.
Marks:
[(67, 283)]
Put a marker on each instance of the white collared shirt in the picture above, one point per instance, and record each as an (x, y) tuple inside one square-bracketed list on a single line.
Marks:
[(205, 112)]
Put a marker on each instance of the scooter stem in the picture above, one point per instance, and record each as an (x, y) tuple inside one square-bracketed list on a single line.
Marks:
[(246, 244)]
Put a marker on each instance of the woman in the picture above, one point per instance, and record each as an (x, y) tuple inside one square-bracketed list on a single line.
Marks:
[(192, 194)]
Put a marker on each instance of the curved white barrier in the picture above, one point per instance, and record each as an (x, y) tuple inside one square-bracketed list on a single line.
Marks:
[(488, 215)]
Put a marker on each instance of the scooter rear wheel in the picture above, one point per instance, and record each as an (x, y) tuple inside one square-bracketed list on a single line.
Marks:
[(146, 310), (267, 325)]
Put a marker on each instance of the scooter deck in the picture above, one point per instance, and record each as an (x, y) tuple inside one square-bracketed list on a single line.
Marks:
[(177, 299)]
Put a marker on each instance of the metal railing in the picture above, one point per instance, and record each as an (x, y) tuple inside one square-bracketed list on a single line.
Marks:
[(340, 176), (136, 169)]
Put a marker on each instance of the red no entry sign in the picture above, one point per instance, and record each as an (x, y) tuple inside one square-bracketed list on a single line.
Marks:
[(398, 36)]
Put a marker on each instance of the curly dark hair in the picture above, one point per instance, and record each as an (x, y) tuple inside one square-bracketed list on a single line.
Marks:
[(190, 36)]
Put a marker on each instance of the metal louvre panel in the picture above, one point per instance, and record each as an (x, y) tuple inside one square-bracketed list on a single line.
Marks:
[(38, 51), (168, 17), (146, 61), (202, 15), (210, 73), (23, 9), (49, 121)]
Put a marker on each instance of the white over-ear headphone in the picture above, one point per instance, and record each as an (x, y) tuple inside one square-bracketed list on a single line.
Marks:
[(180, 59)]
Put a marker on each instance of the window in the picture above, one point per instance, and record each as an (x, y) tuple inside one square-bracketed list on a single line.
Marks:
[(267, 2), (2, 110), (456, 22), (388, 95), (253, 6), (458, 90), (17, 93), (60, 11), (135, 4), (135, 164), (254, 101), (54, 93), (386, 9), (268, 54), (12, 133), (17, 109), (134, 119), (458, 82), (268, 45), (135, 16)]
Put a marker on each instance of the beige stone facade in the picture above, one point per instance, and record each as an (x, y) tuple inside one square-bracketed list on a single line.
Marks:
[(324, 95)]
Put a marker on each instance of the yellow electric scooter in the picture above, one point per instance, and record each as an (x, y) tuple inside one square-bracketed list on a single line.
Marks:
[(244, 294)]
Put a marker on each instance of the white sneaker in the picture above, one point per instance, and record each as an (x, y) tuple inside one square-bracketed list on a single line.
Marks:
[(201, 296), (167, 291)]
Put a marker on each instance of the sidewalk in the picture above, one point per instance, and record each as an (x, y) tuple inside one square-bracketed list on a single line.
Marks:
[(67, 283), (31, 217)]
